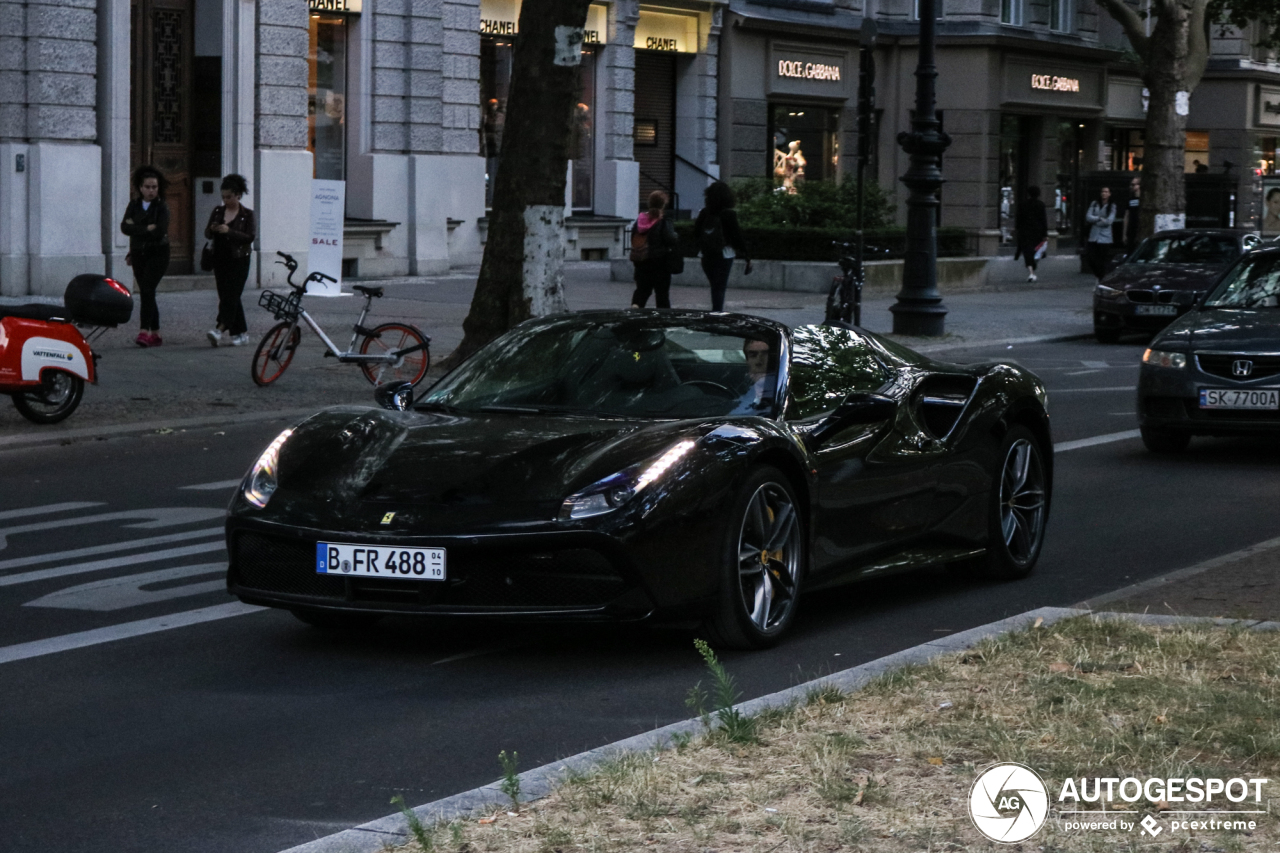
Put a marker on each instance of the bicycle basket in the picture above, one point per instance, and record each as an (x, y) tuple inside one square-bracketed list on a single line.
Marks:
[(284, 308)]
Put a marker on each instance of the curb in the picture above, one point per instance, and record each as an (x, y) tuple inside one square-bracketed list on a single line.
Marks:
[(37, 438), (537, 783)]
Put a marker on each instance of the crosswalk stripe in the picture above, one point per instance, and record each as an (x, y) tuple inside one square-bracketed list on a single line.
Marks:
[(1064, 446), (48, 508), (169, 516), (82, 639), (212, 487), (113, 563), (129, 545), (125, 591)]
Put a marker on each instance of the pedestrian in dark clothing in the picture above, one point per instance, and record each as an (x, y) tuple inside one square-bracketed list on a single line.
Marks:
[(719, 240), (1032, 227), (1100, 216), (232, 230), (1131, 213), (653, 266), (146, 221)]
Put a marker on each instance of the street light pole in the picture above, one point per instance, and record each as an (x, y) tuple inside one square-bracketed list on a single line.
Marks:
[(919, 309)]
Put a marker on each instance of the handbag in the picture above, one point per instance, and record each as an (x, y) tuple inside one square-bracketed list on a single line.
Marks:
[(675, 262), (206, 258)]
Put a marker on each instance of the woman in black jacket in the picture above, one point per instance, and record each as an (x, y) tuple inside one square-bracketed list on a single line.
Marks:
[(146, 221), (232, 229), (1032, 229), (653, 270), (719, 240)]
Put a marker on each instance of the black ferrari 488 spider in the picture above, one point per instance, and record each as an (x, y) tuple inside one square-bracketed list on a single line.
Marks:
[(648, 465)]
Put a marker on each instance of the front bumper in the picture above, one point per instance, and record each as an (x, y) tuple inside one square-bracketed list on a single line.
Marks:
[(564, 576), (1169, 400), (1122, 314)]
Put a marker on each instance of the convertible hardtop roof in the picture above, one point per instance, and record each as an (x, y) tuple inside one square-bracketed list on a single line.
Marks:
[(677, 317)]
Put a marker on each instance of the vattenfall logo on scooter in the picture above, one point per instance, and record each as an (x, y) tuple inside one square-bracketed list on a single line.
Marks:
[(56, 356), (1009, 803)]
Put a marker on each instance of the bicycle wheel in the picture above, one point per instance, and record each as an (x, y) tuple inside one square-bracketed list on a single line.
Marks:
[(391, 337), (274, 353)]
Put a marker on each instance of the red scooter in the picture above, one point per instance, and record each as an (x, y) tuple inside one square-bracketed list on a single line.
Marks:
[(44, 358)]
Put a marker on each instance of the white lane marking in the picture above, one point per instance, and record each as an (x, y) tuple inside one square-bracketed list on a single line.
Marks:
[(1081, 372), (41, 510), (1097, 364), (113, 563), (1095, 440), (119, 593), (169, 516), (82, 639), (1090, 390), (128, 545), (212, 487)]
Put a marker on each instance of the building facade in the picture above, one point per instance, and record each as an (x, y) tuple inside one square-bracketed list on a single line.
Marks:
[(405, 101)]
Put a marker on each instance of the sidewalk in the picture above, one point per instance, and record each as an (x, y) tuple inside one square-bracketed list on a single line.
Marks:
[(187, 378)]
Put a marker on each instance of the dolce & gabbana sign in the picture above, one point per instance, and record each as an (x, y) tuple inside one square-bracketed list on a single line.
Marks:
[(1027, 81), (805, 70)]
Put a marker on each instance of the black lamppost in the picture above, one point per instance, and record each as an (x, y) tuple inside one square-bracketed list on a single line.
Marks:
[(919, 309)]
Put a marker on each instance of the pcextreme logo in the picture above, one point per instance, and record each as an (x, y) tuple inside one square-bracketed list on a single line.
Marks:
[(1008, 803)]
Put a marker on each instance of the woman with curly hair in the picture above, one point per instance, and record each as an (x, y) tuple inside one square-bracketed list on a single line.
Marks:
[(146, 221), (231, 228), (719, 240)]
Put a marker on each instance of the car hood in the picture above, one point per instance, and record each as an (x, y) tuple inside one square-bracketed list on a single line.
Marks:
[(349, 464), (1162, 276), (1225, 330)]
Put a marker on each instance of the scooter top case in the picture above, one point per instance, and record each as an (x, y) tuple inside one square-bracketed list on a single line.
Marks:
[(95, 300), (31, 345)]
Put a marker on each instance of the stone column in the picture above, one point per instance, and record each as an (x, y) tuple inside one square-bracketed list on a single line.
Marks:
[(617, 173), (697, 105), (283, 165)]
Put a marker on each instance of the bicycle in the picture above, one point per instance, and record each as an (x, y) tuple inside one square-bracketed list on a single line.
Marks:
[(844, 298), (389, 352)]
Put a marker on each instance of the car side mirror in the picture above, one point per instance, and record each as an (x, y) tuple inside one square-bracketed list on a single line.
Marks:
[(855, 409), (396, 396)]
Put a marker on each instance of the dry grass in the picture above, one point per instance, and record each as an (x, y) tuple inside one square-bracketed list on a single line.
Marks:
[(889, 768)]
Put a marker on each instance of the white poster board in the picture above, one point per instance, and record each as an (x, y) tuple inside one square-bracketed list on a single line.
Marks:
[(328, 212)]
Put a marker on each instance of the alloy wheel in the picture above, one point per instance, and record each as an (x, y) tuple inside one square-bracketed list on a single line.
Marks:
[(1022, 502), (769, 551)]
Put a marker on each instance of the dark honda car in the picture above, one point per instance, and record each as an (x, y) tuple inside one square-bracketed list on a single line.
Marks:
[(1163, 278), (1216, 371)]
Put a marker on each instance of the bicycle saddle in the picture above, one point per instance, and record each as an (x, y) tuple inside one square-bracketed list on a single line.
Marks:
[(368, 291)]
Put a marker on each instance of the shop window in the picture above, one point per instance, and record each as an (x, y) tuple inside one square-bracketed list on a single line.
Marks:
[(1196, 155), (1265, 155), (1123, 150), (806, 145), (1015, 150), (1060, 16), (1070, 153), (327, 96), (496, 55), (1011, 12)]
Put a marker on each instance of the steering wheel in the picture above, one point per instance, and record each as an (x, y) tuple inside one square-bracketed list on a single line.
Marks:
[(719, 390)]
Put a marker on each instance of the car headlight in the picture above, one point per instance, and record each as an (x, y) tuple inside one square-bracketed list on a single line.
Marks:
[(1104, 292), (617, 489), (261, 483), (1160, 358)]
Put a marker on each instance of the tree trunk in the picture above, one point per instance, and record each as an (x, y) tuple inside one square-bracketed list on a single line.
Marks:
[(522, 272), (1164, 148)]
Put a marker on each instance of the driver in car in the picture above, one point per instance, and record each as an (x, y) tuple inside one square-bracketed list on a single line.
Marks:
[(757, 399)]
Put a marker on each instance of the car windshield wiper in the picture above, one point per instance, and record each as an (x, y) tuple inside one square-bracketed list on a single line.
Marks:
[(512, 410)]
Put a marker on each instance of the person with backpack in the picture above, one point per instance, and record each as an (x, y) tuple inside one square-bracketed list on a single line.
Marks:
[(654, 250), (719, 240)]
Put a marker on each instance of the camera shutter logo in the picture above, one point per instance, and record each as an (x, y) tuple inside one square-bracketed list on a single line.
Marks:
[(1241, 367), (1008, 803)]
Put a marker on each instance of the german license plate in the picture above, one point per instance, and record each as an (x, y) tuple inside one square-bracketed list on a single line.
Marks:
[(1230, 398), (1156, 310), (380, 561)]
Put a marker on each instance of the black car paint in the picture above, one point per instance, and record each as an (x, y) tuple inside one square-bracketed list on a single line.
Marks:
[(878, 497), (1168, 398)]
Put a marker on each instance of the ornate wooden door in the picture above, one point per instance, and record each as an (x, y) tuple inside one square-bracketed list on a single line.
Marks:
[(161, 110)]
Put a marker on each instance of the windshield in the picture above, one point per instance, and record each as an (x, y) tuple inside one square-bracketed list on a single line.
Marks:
[(1211, 249), (644, 367), (1252, 283)]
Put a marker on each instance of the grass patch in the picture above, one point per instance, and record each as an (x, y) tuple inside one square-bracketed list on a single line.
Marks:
[(889, 768)]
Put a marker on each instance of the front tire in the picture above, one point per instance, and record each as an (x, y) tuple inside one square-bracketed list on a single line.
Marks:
[(54, 400), (1019, 509), (1163, 441), (762, 564), (275, 352)]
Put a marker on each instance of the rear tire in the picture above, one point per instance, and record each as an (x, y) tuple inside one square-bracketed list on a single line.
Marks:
[(1163, 441), (336, 620), (273, 355), (762, 565), (1019, 508), (54, 400), (390, 337)]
